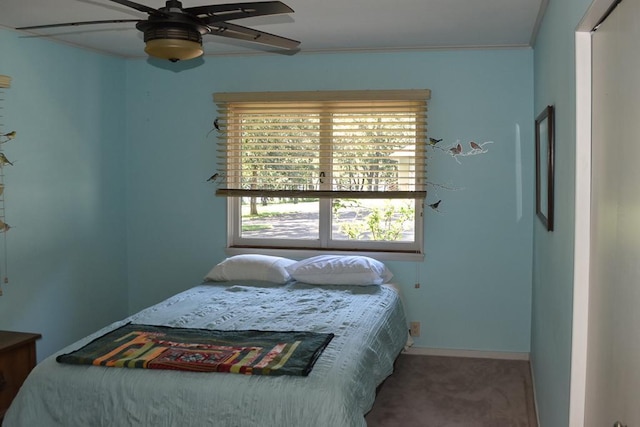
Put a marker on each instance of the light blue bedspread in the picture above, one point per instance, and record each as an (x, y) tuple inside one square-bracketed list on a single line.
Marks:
[(370, 331)]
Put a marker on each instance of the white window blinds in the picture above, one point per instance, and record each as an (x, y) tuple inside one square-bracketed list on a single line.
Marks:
[(359, 144)]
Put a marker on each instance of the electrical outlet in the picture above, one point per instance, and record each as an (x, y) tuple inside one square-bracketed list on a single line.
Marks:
[(417, 286), (414, 330)]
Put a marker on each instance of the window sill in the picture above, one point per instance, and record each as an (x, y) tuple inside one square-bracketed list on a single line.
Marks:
[(306, 253)]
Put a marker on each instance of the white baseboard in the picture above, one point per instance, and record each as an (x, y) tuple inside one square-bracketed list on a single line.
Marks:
[(535, 396), (426, 351)]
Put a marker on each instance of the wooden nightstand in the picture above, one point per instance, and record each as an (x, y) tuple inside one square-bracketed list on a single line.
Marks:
[(17, 358)]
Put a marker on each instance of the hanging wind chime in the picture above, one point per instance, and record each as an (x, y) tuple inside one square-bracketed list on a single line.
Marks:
[(5, 82)]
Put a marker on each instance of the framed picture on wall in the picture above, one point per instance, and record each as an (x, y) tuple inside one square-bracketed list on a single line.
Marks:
[(545, 130)]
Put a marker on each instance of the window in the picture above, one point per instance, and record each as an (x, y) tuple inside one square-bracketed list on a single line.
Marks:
[(341, 170)]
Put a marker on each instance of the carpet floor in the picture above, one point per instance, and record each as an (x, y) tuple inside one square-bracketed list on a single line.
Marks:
[(438, 391)]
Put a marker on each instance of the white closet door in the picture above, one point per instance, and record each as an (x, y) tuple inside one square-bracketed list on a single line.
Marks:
[(613, 355)]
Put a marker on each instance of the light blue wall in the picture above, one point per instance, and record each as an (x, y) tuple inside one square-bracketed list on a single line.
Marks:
[(65, 193), (476, 279), (111, 211), (552, 303)]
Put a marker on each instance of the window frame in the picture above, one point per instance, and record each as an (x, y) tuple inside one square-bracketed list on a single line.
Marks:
[(400, 250), (324, 243)]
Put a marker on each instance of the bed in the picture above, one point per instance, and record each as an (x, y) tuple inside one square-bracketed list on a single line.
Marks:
[(369, 330)]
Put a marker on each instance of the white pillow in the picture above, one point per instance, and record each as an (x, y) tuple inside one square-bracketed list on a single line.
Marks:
[(340, 270), (265, 268)]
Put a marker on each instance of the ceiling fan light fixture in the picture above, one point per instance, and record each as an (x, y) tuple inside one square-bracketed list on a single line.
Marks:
[(174, 44), (173, 49)]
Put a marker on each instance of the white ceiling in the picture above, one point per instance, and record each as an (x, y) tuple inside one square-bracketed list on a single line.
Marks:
[(320, 25)]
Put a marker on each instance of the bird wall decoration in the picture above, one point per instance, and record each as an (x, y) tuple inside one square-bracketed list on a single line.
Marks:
[(455, 150), (5, 82), (216, 126), (8, 136), (4, 160), (216, 178), (435, 205), (4, 227)]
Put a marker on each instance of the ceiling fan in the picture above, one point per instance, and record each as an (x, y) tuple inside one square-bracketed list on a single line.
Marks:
[(175, 33)]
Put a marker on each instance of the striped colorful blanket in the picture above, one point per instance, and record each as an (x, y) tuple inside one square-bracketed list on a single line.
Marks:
[(246, 352)]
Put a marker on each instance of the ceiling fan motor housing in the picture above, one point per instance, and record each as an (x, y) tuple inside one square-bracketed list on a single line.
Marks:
[(172, 32)]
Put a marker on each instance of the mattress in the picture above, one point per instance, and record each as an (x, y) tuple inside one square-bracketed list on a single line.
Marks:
[(370, 331)]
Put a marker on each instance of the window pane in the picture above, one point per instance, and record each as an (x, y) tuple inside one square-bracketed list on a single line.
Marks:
[(279, 218), (373, 151), (373, 220), (278, 151)]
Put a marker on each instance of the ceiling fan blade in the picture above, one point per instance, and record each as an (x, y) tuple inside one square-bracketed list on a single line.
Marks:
[(227, 12), (233, 31), (140, 7), (73, 24)]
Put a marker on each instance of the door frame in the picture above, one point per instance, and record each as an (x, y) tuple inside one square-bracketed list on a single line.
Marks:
[(582, 239)]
